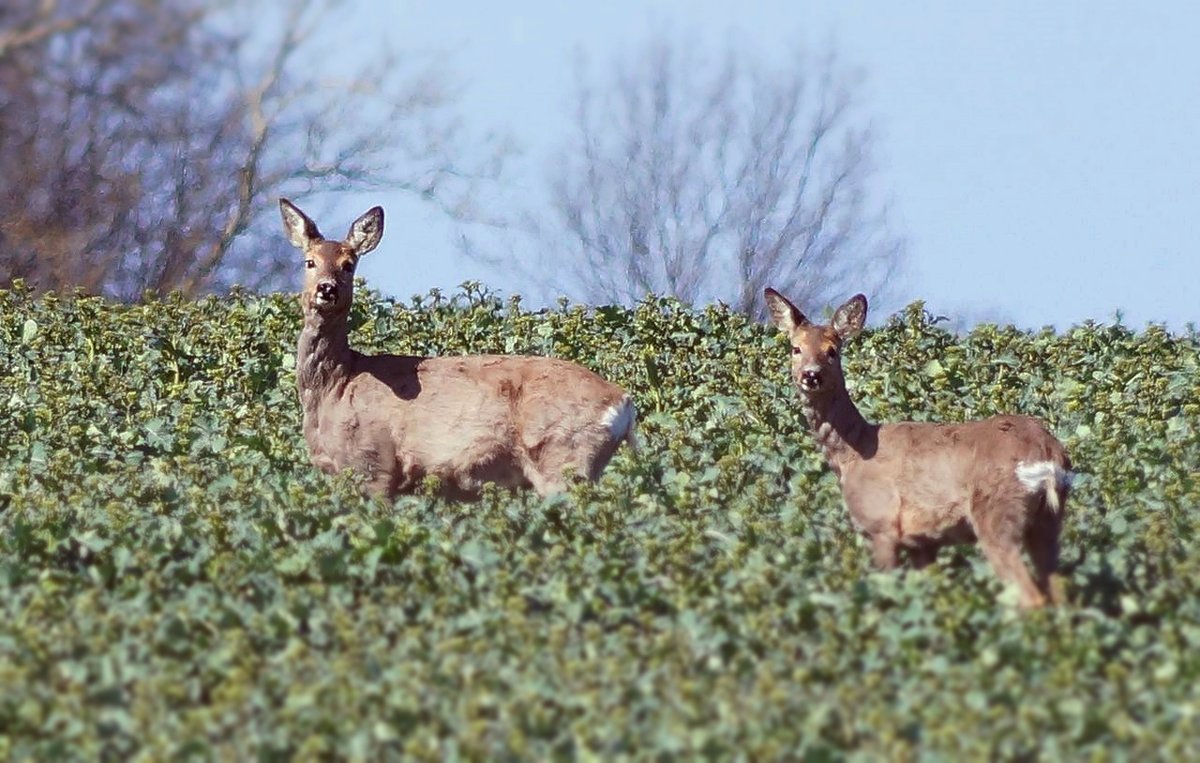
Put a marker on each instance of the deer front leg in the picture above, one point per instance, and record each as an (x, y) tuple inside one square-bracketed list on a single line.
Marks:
[(884, 552), (376, 461), (382, 483), (874, 508)]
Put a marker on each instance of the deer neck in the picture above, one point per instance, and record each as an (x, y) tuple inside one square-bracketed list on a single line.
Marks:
[(323, 357), (840, 429)]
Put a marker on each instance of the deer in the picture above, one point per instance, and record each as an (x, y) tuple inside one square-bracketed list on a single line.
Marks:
[(914, 487), (518, 422)]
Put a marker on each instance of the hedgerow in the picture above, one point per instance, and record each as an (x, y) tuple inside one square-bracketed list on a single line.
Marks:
[(177, 581)]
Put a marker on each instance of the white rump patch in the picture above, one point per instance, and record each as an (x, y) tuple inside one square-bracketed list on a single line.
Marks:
[(619, 419), (1035, 476)]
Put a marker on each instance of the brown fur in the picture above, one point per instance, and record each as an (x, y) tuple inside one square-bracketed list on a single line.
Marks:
[(917, 487), (515, 421)]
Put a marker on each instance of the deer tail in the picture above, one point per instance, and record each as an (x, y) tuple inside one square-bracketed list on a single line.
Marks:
[(621, 420), (1048, 478)]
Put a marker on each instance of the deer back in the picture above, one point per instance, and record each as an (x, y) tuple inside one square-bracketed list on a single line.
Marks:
[(928, 479), (469, 420)]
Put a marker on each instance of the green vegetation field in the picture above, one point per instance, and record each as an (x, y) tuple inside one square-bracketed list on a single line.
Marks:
[(177, 582)]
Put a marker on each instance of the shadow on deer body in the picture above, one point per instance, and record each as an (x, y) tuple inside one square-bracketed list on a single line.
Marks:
[(515, 421), (915, 487)]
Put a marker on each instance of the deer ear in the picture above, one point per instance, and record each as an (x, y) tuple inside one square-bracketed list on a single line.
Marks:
[(850, 317), (301, 230), (366, 231), (784, 314)]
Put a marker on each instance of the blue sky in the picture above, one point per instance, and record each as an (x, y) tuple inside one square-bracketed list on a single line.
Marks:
[(1042, 159)]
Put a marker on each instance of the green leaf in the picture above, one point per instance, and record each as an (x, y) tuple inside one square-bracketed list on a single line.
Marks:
[(177, 574)]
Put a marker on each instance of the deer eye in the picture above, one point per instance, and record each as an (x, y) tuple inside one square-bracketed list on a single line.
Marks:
[(797, 351), (310, 264), (348, 266), (833, 353)]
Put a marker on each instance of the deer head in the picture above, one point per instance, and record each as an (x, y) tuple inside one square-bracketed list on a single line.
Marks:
[(329, 265), (817, 349)]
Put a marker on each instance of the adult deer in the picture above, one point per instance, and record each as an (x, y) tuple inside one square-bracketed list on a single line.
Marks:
[(1002, 481), (468, 420)]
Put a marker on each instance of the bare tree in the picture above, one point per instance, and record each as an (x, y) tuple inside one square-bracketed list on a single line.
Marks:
[(711, 181), (143, 141), (23, 24)]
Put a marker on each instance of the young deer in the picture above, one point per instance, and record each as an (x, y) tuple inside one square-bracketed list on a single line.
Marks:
[(914, 486), (514, 421)]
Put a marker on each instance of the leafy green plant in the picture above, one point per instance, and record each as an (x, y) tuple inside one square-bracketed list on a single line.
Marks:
[(179, 582)]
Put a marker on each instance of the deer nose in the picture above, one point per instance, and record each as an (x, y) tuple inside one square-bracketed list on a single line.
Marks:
[(810, 379), (327, 290)]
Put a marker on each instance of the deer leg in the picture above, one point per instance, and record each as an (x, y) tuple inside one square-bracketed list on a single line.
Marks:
[(1004, 554), (592, 464), (1041, 541), (552, 475), (884, 552), (381, 483), (922, 557), (589, 455), (544, 484)]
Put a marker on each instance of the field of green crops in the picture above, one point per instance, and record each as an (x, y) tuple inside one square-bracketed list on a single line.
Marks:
[(177, 582)]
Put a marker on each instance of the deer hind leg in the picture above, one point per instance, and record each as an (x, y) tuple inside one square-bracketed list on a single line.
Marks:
[(1000, 538), (557, 463), (546, 475), (617, 424), (1006, 561), (592, 461), (544, 485), (551, 477), (1042, 543)]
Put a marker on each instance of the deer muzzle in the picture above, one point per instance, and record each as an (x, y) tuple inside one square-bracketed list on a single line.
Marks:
[(325, 292)]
